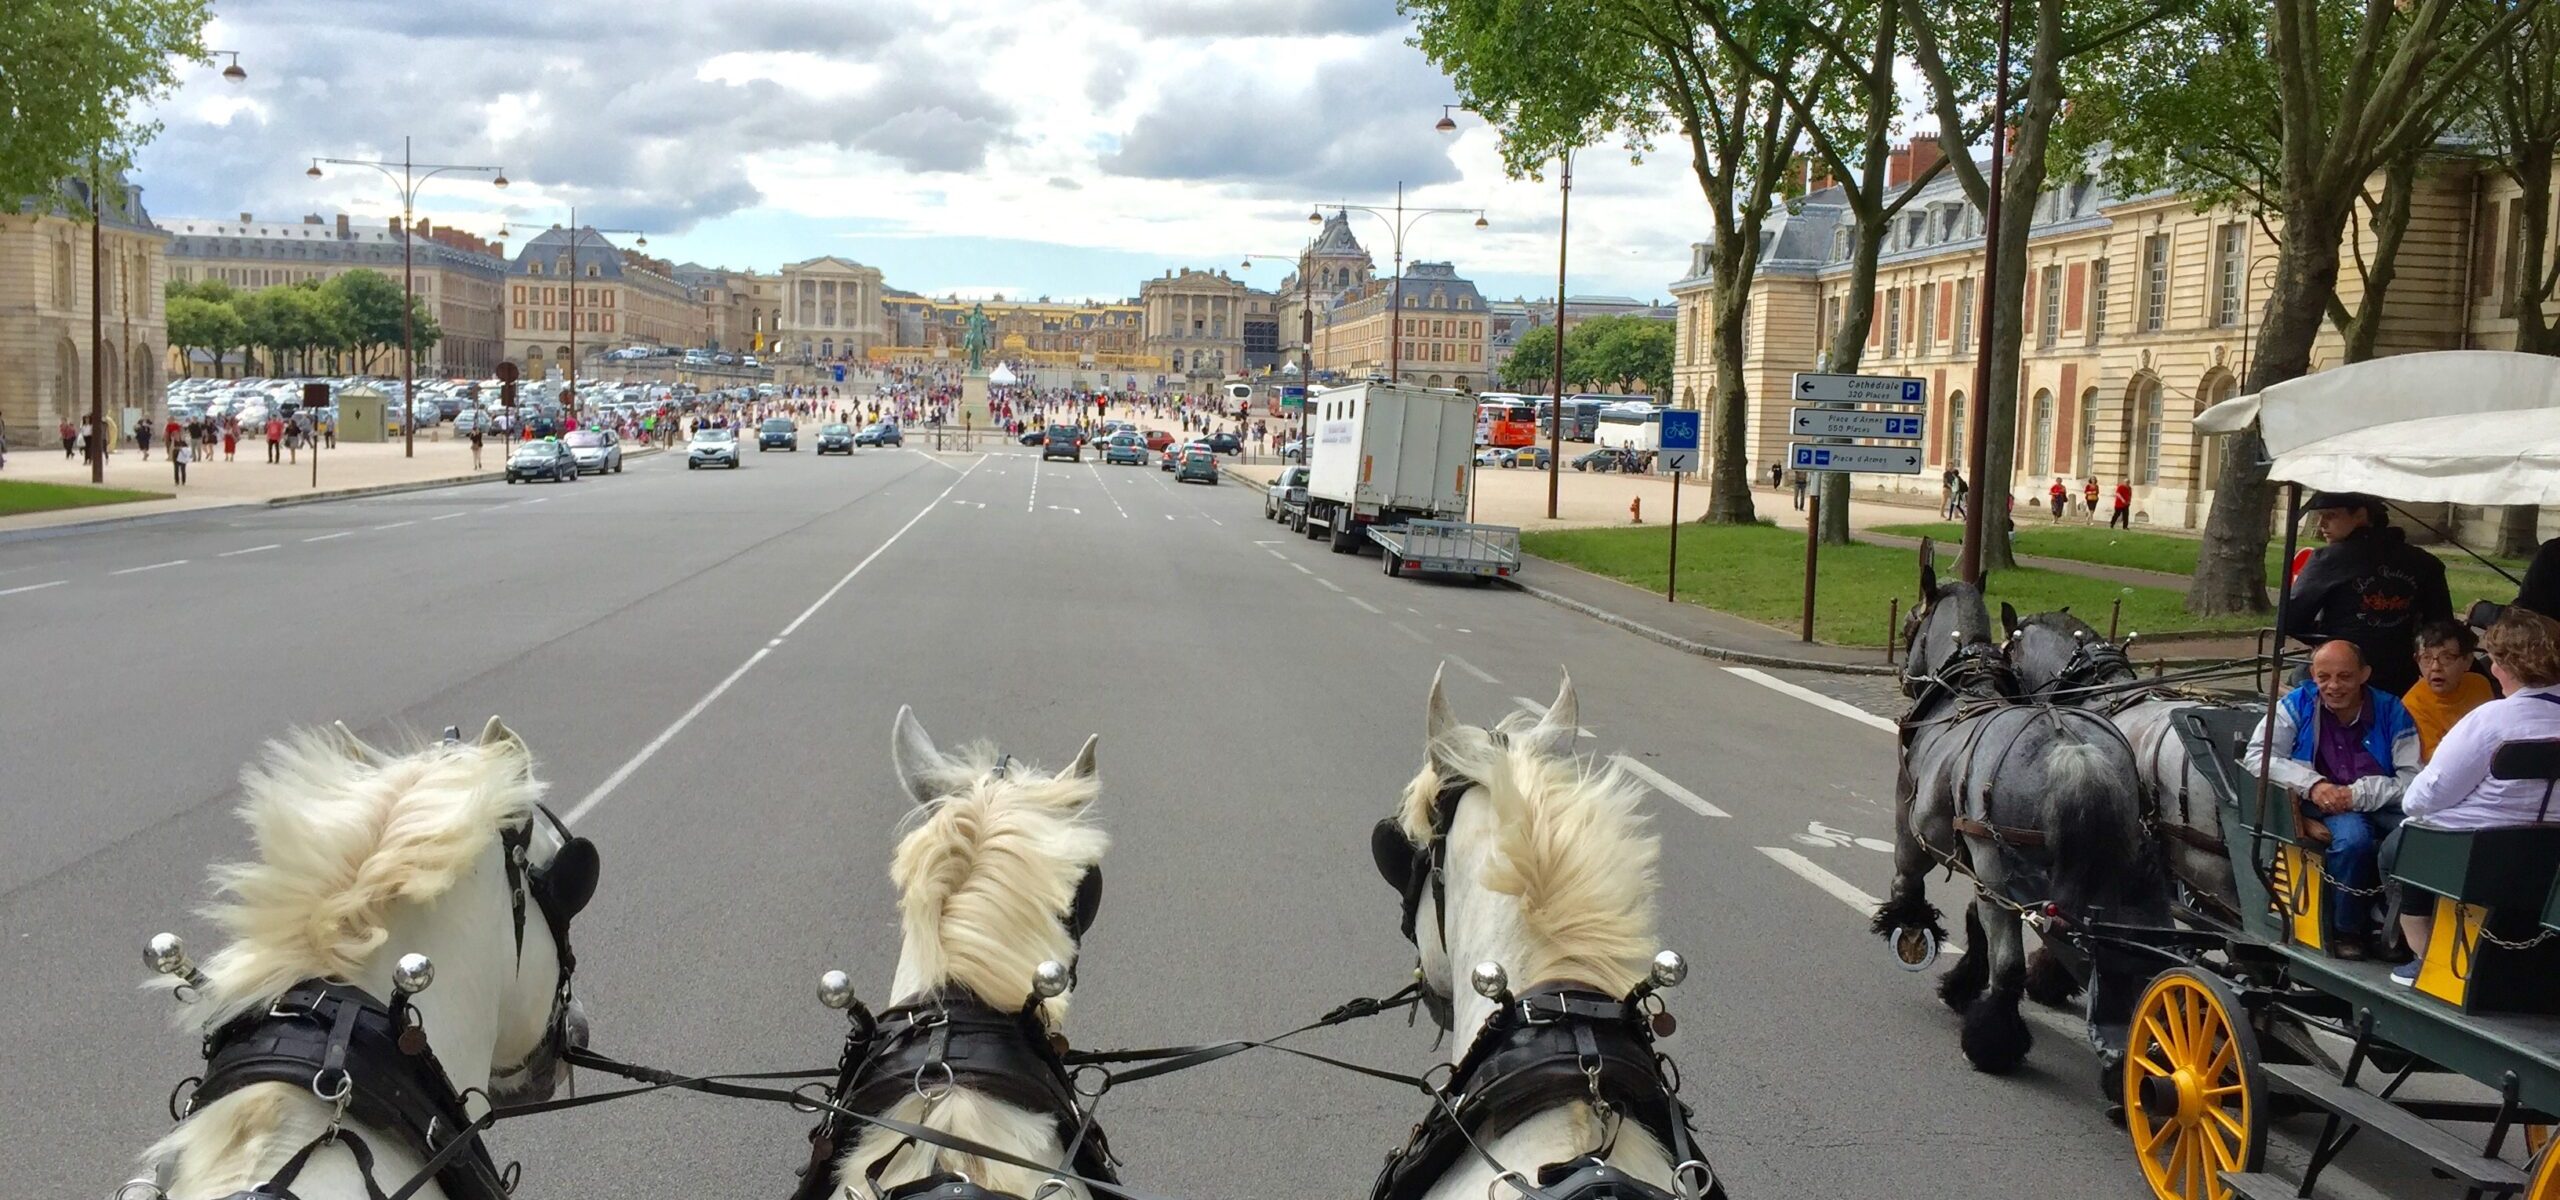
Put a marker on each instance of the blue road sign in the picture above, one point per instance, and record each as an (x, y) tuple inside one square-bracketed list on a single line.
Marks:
[(1680, 429), (839, 372)]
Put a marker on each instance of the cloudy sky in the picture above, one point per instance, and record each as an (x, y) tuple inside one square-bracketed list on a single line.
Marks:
[(1061, 147)]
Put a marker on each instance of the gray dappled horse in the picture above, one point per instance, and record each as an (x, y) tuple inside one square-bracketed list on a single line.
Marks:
[(2036, 802), (2060, 656)]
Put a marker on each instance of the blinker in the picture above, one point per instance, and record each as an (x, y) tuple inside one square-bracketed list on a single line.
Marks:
[(1088, 904), (1393, 853)]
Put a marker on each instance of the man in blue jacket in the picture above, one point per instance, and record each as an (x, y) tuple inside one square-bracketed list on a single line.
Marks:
[(2345, 751)]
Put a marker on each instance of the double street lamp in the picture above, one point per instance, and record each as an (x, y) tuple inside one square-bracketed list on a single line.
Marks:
[(409, 181), (1306, 331), (1399, 220), (569, 366)]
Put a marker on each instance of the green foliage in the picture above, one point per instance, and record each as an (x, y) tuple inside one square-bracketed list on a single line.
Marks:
[(196, 323), (20, 496), (1621, 352), (1532, 365), (72, 74), (365, 308)]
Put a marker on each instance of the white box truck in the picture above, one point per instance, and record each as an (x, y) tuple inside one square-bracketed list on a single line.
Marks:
[(1385, 454)]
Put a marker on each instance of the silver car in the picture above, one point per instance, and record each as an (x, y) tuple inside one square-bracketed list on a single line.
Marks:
[(597, 450), (712, 448)]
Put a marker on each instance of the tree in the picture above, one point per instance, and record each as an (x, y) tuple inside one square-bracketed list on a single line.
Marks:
[(1532, 365), (71, 74), (1621, 352), (2296, 106), (366, 307), (2512, 114), (1557, 76), (199, 324)]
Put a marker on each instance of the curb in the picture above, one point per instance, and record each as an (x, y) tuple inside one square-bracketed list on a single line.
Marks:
[(421, 485), (74, 528), (1701, 649)]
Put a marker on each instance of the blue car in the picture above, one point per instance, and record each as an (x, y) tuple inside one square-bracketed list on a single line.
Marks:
[(882, 434), (1124, 448)]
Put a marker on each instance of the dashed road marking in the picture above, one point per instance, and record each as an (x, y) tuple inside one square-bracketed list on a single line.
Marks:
[(1364, 604), (1411, 632), (449, 516), (34, 587), (250, 550), (1814, 698), (1839, 889), (1329, 584), (395, 525), (330, 537), (1481, 675), (1658, 782), (1300, 567), (175, 562)]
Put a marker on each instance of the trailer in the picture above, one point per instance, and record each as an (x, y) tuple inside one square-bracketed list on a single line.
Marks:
[(1449, 548)]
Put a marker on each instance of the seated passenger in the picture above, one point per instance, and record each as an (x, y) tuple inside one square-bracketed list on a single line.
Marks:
[(2345, 751), (2455, 791), (2447, 686)]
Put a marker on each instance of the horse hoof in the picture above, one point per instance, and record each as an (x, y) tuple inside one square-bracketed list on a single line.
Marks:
[(1914, 949), (2049, 983), (1996, 1037)]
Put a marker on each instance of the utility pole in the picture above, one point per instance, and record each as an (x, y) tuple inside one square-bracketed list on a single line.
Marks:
[(1397, 224), (1555, 422)]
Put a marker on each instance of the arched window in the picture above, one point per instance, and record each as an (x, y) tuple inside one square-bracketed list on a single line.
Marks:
[(2040, 435), (62, 272), (2216, 388), (2088, 442), (2142, 434), (1955, 429), (66, 381)]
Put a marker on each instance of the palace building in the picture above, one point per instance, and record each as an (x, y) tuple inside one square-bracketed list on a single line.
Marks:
[(622, 298), (1043, 332), (458, 278), (1440, 339), (46, 278)]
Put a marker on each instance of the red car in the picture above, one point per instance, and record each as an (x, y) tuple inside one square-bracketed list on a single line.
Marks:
[(1158, 439)]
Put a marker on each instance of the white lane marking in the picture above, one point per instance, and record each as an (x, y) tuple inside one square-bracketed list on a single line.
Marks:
[(1472, 669), (1410, 631), (1541, 710), (1330, 584), (1658, 782), (938, 462), (1168, 516), (395, 525), (1814, 698), (535, 500), (1840, 889), (1032, 506), (1301, 568), (450, 516), (250, 550), (34, 587), (1365, 604), (330, 537), (1276, 554), (175, 562), (1259, 542), (1826, 837), (658, 743)]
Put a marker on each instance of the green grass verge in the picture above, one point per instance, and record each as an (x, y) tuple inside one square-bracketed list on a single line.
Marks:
[(2174, 555), (18, 496), (1757, 571)]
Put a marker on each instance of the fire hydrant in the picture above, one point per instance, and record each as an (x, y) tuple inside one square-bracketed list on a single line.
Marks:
[(1635, 510)]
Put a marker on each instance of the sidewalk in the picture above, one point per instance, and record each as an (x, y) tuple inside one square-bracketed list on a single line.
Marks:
[(249, 479)]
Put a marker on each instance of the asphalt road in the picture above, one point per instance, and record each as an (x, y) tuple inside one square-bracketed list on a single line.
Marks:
[(706, 665)]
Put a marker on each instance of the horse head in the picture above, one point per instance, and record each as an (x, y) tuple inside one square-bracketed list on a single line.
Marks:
[(1949, 619), (430, 882), (2058, 650), (1506, 850), (1001, 873)]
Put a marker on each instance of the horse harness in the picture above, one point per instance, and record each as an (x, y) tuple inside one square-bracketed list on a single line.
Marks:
[(1554, 1044), (370, 1060)]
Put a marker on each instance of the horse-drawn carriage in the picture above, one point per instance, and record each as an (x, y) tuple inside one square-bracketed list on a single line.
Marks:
[(2243, 1012)]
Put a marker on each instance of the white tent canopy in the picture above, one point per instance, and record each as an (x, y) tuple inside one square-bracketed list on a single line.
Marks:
[(1002, 376), (2452, 426)]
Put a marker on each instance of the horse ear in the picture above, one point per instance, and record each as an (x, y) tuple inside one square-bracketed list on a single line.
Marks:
[(2009, 618), (354, 747), (912, 755), (1564, 717), (1082, 767), (496, 731), (1437, 722)]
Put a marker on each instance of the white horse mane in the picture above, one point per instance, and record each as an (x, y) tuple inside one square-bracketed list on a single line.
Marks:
[(988, 870), (1571, 847), (343, 833)]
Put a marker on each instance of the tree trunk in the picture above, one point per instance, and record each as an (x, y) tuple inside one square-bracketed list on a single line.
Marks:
[(1848, 353), (2231, 566), (1729, 479)]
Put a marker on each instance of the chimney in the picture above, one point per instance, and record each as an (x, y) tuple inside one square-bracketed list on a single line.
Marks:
[(1925, 151), (310, 218), (343, 232), (246, 218), (395, 226), (427, 229), (1897, 167)]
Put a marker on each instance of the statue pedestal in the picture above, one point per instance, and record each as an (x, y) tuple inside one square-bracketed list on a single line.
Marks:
[(973, 391)]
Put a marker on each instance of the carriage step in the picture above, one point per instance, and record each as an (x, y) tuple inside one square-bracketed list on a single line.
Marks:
[(2430, 1141), (2259, 1185)]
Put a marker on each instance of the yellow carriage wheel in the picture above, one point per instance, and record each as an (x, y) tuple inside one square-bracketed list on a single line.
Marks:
[(2194, 1100), (2546, 1178)]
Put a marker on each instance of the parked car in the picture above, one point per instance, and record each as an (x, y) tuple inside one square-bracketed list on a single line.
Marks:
[(1529, 456), (883, 434), (1493, 456), (544, 459), (1063, 443), (835, 439), (1198, 466), (778, 432), (470, 419), (1288, 492), (1293, 450), (1124, 448), (712, 448), (597, 450)]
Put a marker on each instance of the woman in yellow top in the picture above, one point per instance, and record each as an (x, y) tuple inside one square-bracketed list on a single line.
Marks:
[(2447, 686)]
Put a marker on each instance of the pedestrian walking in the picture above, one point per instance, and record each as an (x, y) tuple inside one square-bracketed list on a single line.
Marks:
[(69, 435), (179, 453), (1802, 478), (142, 436), (230, 439), (2122, 518), (2060, 496), (4, 449), (475, 447), (1957, 511), (275, 439), (293, 443), (2089, 496)]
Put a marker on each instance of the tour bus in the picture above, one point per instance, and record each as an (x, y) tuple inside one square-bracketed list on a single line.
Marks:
[(1635, 424), (1581, 416), (1506, 421)]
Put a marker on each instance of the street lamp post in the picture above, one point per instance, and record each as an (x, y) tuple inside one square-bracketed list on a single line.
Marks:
[(1306, 332), (1564, 223), (1399, 221), (408, 181), (98, 292), (569, 370)]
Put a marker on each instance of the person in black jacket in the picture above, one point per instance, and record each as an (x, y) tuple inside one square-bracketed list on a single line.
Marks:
[(2368, 586)]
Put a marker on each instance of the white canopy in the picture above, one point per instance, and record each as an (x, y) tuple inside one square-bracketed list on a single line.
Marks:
[(2452, 426), (1002, 376)]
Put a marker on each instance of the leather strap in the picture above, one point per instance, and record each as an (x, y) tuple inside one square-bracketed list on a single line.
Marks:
[(2007, 834)]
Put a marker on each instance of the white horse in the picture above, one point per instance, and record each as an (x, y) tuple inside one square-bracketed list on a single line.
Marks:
[(997, 878), (366, 859), (1546, 871)]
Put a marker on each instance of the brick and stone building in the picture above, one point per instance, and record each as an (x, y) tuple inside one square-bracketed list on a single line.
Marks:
[(1440, 339), (458, 277), (624, 298), (46, 279)]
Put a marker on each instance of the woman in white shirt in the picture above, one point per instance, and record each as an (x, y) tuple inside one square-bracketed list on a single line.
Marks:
[(2455, 791)]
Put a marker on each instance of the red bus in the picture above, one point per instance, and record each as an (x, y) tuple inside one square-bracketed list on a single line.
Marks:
[(1507, 422)]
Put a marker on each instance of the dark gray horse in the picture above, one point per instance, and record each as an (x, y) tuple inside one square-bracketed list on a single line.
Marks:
[(2061, 657), (2034, 801)]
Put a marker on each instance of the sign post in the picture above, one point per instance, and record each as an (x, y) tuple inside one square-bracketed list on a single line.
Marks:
[(1678, 456), (1835, 421)]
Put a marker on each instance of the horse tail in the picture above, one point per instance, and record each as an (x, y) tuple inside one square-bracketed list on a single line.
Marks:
[(2094, 824)]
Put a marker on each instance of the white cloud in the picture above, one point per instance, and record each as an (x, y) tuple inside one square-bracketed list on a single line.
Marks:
[(1185, 130)]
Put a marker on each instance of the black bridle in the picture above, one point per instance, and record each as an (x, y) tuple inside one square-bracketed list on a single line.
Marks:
[(1414, 869), (370, 1061)]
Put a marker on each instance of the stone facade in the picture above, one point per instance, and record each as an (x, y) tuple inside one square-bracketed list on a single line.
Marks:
[(1334, 262), (622, 298), (1036, 332), (831, 310), (1441, 340), (2139, 314), (1195, 324), (45, 282), (456, 276)]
